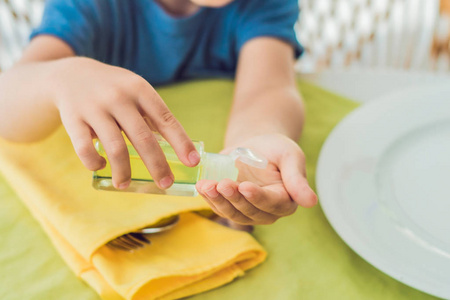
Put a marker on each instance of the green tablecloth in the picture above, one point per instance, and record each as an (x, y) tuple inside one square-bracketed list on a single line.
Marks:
[(307, 259)]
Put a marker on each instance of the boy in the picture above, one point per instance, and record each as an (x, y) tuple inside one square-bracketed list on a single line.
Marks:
[(81, 70)]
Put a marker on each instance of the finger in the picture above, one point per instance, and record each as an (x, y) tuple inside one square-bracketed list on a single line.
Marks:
[(274, 200), (213, 208), (80, 135), (229, 190), (116, 150), (146, 146), (169, 127), (293, 173), (149, 123), (222, 205), (199, 186)]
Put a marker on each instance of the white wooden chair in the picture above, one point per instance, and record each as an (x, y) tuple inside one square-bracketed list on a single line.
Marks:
[(400, 34), (17, 18)]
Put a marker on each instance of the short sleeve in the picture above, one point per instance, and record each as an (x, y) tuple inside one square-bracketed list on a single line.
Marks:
[(72, 21), (273, 18)]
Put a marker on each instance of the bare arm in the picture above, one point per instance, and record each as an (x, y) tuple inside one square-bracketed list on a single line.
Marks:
[(50, 85), (266, 99), (26, 109), (267, 116)]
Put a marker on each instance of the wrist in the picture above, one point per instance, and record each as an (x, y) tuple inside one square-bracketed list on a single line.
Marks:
[(56, 74), (264, 116), (61, 72), (243, 141)]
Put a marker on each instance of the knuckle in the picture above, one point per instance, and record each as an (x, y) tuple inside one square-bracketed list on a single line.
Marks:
[(256, 201), (137, 82), (252, 213), (83, 150), (278, 208), (232, 214), (115, 95), (284, 208), (159, 173), (144, 137), (160, 168), (296, 194), (88, 157), (93, 165), (168, 120), (116, 149)]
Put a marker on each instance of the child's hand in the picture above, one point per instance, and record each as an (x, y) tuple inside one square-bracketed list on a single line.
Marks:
[(99, 100), (263, 196)]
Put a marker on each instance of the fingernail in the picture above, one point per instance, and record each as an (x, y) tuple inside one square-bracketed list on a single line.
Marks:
[(124, 185), (199, 185), (247, 194), (212, 193), (228, 192), (315, 199), (194, 157), (166, 182)]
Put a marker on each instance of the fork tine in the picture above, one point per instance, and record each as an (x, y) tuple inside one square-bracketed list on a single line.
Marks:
[(138, 242), (124, 244), (118, 245), (139, 237), (130, 241)]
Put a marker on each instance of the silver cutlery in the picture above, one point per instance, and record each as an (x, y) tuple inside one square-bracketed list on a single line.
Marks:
[(138, 239)]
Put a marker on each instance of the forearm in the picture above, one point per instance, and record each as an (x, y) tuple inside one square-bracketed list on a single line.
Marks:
[(274, 111), (27, 112)]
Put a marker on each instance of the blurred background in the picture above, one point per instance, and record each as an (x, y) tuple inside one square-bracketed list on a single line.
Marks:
[(337, 34)]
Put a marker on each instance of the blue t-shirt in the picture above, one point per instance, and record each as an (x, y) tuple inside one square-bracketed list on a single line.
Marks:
[(141, 36)]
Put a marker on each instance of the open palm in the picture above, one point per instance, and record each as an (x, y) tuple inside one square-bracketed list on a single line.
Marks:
[(262, 196)]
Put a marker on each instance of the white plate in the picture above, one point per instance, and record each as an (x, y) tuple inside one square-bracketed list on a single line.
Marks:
[(383, 180)]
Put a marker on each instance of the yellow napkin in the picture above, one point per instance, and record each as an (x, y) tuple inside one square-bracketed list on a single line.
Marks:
[(195, 256)]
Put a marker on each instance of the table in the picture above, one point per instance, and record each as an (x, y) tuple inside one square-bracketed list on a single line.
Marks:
[(307, 259)]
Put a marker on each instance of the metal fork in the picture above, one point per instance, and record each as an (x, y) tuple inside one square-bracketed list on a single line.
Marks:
[(137, 239)]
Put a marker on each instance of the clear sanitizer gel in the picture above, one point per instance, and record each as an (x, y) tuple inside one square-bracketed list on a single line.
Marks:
[(212, 166)]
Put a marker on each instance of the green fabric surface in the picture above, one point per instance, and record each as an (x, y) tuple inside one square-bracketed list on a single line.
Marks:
[(307, 259)]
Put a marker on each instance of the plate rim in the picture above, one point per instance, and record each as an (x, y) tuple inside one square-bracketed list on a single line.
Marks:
[(350, 238)]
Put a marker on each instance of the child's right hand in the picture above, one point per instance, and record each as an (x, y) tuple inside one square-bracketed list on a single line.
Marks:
[(99, 100)]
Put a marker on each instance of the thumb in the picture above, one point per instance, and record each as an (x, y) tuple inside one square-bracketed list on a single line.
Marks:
[(293, 174)]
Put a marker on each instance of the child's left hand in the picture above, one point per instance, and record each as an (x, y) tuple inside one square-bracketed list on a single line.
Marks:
[(262, 196)]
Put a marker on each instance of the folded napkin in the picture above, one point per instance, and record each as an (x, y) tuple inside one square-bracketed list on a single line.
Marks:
[(195, 256)]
